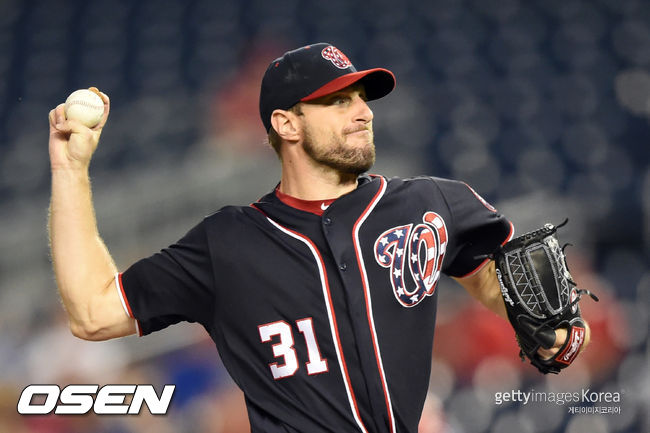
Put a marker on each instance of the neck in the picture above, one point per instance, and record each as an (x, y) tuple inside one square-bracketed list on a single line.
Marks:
[(314, 182)]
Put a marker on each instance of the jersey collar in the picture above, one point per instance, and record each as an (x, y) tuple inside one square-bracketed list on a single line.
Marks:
[(314, 206)]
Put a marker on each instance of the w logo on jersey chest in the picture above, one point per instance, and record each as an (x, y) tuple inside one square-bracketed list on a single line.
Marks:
[(418, 250)]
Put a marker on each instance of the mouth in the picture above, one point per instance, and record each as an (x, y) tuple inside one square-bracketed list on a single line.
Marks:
[(360, 132), (355, 131)]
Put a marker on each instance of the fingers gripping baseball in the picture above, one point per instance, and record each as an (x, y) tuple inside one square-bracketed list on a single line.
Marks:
[(71, 143)]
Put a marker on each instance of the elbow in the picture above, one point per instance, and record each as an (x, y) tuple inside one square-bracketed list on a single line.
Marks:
[(99, 316), (86, 331)]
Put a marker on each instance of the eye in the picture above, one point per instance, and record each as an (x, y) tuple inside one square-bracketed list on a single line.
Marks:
[(340, 100)]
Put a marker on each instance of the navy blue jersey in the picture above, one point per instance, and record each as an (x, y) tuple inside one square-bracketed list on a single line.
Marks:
[(326, 322)]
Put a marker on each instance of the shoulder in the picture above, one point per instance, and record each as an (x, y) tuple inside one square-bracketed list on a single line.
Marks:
[(425, 184), (231, 219), (442, 185), (236, 219), (454, 193), (421, 180), (232, 213), (232, 227)]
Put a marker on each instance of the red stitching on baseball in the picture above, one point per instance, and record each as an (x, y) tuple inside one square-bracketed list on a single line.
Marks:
[(85, 104)]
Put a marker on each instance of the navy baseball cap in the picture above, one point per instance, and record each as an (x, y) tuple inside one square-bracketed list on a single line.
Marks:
[(313, 71)]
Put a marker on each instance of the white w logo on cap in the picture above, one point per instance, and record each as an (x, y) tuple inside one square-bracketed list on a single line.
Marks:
[(335, 56)]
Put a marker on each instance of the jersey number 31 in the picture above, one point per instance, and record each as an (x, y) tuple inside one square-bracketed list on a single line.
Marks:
[(284, 348)]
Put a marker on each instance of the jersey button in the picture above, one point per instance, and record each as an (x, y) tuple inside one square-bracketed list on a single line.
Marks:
[(327, 221), (343, 266)]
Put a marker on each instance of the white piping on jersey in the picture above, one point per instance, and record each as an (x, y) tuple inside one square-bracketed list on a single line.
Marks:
[(366, 288), (324, 285), (120, 294)]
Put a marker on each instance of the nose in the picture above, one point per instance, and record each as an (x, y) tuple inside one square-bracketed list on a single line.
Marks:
[(362, 112)]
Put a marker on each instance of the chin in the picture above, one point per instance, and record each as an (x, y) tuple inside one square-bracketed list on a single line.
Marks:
[(362, 164), (361, 139)]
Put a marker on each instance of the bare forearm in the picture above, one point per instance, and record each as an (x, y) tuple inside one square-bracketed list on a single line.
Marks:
[(82, 264), (484, 286)]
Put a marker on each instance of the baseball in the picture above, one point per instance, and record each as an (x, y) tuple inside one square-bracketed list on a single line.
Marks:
[(84, 106)]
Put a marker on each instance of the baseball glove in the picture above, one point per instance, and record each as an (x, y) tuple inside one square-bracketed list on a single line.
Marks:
[(541, 296)]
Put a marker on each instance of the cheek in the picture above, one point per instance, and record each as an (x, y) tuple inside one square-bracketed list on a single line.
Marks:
[(321, 133)]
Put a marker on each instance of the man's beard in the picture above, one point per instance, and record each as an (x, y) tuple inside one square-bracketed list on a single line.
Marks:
[(335, 155)]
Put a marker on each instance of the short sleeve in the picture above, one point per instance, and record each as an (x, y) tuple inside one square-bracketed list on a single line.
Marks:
[(171, 286), (477, 228)]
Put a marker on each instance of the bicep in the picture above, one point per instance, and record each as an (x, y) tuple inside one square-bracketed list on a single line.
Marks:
[(484, 286)]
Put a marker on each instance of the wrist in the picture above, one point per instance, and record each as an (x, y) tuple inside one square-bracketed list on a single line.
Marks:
[(80, 170), (70, 178)]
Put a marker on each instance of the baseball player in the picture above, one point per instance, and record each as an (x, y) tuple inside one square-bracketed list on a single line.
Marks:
[(321, 296)]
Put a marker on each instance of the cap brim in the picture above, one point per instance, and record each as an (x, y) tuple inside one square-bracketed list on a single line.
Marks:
[(378, 82)]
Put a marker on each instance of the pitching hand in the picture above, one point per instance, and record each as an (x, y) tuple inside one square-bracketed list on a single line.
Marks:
[(72, 144)]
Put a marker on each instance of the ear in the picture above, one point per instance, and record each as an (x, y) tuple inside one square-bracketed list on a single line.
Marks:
[(286, 125)]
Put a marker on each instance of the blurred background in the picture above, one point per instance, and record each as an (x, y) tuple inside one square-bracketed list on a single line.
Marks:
[(543, 106)]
